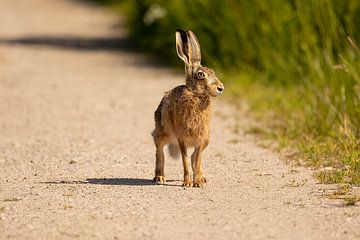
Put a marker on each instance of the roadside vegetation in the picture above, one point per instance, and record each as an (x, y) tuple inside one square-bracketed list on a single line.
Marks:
[(296, 62)]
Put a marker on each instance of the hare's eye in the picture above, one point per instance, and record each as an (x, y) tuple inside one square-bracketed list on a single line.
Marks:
[(200, 75)]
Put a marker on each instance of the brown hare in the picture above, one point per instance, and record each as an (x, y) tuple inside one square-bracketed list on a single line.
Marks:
[(182, 118)]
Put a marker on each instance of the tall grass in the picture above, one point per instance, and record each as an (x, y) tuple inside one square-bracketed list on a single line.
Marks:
[(298, 59)]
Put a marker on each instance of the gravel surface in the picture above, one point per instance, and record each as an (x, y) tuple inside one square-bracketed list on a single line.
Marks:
[(77, 158)]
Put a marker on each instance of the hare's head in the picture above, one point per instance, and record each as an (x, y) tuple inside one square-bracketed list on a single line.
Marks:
[(198, 78)]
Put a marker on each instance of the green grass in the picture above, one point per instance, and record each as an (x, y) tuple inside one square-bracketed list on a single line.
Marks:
[(297, 62), (287, 121), (351, 201)]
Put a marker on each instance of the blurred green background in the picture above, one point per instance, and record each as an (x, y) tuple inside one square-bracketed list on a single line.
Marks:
[(297, 62)]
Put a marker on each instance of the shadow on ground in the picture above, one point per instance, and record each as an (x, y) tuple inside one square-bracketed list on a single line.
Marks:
[(111, 181), (92, 44), (76, 43)]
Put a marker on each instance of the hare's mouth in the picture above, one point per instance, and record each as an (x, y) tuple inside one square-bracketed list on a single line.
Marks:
[(215, 94)]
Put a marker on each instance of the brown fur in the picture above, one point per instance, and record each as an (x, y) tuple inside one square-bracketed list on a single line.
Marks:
[(182, 118)]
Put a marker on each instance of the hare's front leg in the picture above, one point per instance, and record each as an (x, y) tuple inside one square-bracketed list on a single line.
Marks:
[(187, 179), (199, 179), (160, 159)]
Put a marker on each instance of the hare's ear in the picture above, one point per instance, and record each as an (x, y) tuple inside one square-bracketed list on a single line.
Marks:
[(194, 52), (182, 45)]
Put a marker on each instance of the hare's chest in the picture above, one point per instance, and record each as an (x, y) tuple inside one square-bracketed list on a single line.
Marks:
[(192, 120)]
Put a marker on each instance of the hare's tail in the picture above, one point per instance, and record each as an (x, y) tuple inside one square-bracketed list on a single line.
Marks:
[(174, 150)]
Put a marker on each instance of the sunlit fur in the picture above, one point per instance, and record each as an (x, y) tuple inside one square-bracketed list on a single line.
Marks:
[(182, 120)]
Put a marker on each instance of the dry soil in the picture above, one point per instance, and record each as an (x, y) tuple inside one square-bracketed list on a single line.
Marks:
[(77, 158)]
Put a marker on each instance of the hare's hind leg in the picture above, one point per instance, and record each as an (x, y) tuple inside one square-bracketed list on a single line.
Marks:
[(187, 179), (160, 142)]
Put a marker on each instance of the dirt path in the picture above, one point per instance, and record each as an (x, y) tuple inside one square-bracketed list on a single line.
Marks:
[(76, 156)]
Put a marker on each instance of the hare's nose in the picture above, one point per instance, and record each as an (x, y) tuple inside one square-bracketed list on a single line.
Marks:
[(220, 89)]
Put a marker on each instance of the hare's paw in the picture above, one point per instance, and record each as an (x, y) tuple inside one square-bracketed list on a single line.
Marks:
[(199, 181), (187, 182), (159, 179)]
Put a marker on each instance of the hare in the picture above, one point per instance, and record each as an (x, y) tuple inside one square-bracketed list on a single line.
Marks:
[(182, 118)]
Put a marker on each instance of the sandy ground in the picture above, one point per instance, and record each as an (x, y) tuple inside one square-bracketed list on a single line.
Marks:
[(77, 158)]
